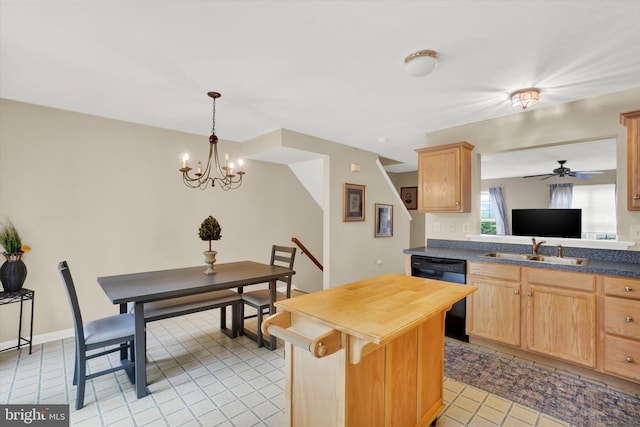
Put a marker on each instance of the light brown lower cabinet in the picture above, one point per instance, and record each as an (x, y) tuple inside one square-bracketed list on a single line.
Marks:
[(493, 311), (621, 327), (588, 320), (561, 315)]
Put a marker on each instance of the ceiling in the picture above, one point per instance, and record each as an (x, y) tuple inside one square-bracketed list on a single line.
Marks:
[(331, 69)]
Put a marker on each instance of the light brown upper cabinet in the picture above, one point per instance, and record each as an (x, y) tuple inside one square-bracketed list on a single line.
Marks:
[(444, 178), (632, 121)]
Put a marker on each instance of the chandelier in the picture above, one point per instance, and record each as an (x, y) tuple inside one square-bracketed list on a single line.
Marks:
[(225, 175)]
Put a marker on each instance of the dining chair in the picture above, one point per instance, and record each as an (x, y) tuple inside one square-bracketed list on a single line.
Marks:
[(115, 330), (260, 299)]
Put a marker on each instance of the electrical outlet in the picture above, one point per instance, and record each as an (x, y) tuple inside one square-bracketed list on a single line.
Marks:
[(634, 232), (465, 227), (436, 227), (378, 263)]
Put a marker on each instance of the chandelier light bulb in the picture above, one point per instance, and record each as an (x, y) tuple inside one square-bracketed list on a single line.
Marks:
[(213, 172)]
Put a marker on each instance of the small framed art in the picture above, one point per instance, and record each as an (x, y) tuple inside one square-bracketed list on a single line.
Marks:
[(354, 202), (409, 197), (384, 220)]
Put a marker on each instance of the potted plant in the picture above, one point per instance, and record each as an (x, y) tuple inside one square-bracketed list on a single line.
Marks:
[(210, 230), (13, 271)]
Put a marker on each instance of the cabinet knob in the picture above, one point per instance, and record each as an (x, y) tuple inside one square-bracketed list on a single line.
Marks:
[(528, 294), (628, 319), (629, 359), (636, 197), (457, 203), (517, 292), (627, 289)]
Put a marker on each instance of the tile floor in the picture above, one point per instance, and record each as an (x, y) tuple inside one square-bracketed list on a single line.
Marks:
[(200, 377)]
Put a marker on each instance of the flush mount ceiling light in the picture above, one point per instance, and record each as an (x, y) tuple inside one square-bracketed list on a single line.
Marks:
[(421, 63), (525, 97)]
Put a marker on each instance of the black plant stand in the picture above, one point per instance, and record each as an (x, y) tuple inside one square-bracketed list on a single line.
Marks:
[(14, 297)]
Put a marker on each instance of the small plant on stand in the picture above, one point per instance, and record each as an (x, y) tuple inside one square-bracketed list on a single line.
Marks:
[(13, 271), (210, 230)]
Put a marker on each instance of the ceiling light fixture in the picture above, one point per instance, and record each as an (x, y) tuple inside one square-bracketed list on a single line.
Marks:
[(228, 179), (525, 97), (421, 63)]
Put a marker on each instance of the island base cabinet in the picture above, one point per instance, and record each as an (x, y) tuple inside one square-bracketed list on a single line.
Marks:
[(399, 383)]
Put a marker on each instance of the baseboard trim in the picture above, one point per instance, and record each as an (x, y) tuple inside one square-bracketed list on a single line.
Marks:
[(41, 339)]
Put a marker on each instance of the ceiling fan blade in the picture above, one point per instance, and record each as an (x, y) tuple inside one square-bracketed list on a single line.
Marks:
[(544, 174), (580, 175)]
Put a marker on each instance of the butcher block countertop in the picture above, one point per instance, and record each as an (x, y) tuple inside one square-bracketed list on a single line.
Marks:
[(379, 309)]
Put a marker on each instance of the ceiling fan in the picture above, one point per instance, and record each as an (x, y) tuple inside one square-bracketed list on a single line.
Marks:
[(563, 171)]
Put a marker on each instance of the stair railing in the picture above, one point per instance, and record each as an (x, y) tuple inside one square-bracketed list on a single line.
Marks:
[(304, 250)]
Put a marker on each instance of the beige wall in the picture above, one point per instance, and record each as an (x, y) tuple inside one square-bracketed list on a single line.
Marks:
[(533, 193), (417, 233), (351, 251), (107, 196), (589, 119)]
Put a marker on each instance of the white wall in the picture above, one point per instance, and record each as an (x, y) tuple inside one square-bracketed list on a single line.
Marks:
[(107, 196), (589, 119)]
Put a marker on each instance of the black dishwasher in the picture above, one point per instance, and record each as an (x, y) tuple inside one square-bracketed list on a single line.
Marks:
[(446, 270)]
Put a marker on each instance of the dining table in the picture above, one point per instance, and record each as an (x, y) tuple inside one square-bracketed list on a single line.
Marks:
[(144, 287)]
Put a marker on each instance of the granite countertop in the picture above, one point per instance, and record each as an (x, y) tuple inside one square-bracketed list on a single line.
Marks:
[(608, 262)]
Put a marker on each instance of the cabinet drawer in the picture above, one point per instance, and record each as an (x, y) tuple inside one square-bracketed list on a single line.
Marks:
[(560, 279), (498, 271), (622, 317), (622, 287), (622, 357)]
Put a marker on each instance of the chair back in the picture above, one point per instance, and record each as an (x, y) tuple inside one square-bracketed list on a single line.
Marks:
[(65, 274), (284, 256)]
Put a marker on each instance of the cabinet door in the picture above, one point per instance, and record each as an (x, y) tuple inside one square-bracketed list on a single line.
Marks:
[(493, 311), (561, 323), (632, 121), (444, 178)]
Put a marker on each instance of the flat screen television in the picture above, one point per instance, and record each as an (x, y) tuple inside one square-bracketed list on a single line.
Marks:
[(547, 222)]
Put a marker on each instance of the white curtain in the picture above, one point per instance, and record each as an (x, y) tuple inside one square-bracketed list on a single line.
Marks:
[(499, 208), (560, 196)]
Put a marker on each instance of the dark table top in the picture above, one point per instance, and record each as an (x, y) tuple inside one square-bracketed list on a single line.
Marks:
[(164, 284)]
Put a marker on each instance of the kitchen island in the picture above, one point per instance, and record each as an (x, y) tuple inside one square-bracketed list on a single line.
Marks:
[(367, 353)]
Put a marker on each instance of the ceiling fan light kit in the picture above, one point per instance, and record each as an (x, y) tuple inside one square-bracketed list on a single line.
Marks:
[(421, 63), (525, 98)]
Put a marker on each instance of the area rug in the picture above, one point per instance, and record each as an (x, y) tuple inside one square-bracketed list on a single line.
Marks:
[(576, 401)]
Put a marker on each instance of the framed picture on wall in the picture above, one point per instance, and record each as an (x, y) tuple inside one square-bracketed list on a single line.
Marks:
[(384, 220), (409, 197), (354, 202)]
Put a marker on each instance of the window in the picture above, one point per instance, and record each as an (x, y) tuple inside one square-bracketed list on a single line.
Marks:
[(598, 204), (487, 216)]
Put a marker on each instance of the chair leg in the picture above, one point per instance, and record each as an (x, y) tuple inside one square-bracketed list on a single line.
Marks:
[(82, 377), (258, 328), (75, 369)]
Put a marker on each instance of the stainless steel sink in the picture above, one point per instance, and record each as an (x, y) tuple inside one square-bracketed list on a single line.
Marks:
[(559, 260), (538, 258), (507, 255)]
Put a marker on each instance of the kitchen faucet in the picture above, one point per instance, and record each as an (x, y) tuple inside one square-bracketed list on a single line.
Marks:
[(536, 246)]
